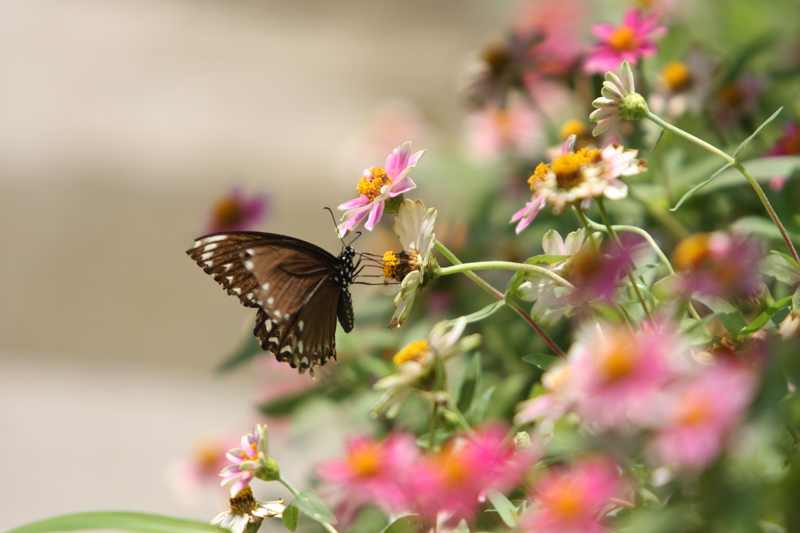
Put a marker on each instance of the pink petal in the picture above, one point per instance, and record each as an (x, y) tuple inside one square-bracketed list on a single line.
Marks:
[(356, 202), (402, 185), (604, 30), (374, 215)]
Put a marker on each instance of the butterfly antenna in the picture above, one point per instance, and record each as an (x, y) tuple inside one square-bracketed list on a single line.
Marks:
[(335, 226)]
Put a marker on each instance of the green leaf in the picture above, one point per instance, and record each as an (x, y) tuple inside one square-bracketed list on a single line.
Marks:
[(730, 317), (542, 360), (120, 520), (699, 186), (290, 517), (796, 299), (666, 287), (781, 267), (505, 509), (762, 169), (765, 317), (404, 524), (477, 411), (758, 130), (470, 382), (309, 504), (247, 351), (478, 315)]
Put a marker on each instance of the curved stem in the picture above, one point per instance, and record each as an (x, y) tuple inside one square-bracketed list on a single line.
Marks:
[(504, 265), (738, 166), (285, 482)]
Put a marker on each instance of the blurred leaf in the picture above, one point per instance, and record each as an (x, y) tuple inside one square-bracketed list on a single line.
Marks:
[(477, 411), (666, 287), (762, 169), (505, 509), (309, 504), (730, 317), (541, 360), (796, 299), (290, 517), (781, 267), (478, 315), (120, 520), (691, 192), (470, 383), (764, 317), (404, 524), (246, 352), (761, 227), (758, 130)]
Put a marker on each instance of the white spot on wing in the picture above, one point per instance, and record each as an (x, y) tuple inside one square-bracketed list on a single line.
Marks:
[(249, 265), (300, 326), (270, 300), (300, 346)]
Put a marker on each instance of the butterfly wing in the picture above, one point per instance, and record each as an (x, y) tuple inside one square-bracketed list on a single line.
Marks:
[(296, 286)]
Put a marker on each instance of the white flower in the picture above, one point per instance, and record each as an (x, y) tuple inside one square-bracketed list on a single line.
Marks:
[(245, 510), (619, 100)]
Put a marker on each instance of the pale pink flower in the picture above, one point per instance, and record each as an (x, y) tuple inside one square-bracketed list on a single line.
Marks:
[(372, 472), (248, 461), (697, 414), (377, 186), (630, 41), (237, 211), (515, 129), (547, 408), (201, 468), (575, 500), (560, 23), (682, 86)]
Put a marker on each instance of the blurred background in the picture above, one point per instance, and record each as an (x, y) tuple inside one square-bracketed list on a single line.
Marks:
[(121, 123)]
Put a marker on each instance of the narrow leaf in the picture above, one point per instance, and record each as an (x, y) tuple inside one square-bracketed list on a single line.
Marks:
[(730, 317), (758, 130), (470, 382), (759, 321), (543, 361), (505, 509), (404, 524), (290, 517), (696, 188), (118, 520), (309, 504)]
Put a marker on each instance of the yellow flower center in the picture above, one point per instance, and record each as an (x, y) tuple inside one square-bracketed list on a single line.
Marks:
[(694, 410), (616, 360), (677, 76), (243, 503), (207, 453), (565, 502), (538, 174), (370, 186), (691, 251), (572, 127), (452, 466), (624, 39), (227, 212), (397, 266), (567, 167), (417, 351), (365, 460)]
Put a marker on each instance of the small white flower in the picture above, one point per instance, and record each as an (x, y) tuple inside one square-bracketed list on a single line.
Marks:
[(619, 100), (245, 510)]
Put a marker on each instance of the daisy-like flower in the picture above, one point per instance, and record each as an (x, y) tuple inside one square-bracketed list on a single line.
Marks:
[(236, 211), (575, 500), (251, 460), (416, 362), (682, 86), (619, 100), (515, 128), (577, 177), (415, 266), (246, 513), (379, 186), (633, 39)]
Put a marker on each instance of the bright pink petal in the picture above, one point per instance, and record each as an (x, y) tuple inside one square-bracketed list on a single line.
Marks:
[(401, 186), (374, 215), (356, 202)]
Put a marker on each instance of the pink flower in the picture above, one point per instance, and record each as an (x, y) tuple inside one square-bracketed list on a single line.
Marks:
[(372, 472), (633, 39), (787, 144), (453, 480), (560, 24), (377, 186), (575, 500), (249, 461), (697, 414), (514, 129), (236, 211)]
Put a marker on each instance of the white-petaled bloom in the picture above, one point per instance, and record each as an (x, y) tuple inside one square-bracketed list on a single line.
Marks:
[(619, 100), (414, 266), (577, 177), (251, 460), (246, 514), (417, 361), (547, 295)]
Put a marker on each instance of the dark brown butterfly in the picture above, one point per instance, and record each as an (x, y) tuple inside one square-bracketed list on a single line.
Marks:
[(298, 288)]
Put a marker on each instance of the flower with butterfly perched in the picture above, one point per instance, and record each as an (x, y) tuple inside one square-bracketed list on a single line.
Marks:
[(246, 513), (379, 187), (417, 361), (249, 461), (415, 266)]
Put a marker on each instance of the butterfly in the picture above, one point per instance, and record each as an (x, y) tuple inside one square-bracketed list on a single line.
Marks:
[(299, 289)]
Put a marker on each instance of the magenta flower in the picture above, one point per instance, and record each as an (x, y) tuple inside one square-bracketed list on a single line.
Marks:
[(632, 40), (372, 472), (377, 186), (251, 460), (789, 142), (575, 500), (237, 212), (696, 415)]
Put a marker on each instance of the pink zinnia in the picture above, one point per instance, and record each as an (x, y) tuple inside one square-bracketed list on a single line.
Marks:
[(697, 415), (248, 461), (237, 211), (372, 472), (633, 39), (576, 500), (514, 129), (377, 186)]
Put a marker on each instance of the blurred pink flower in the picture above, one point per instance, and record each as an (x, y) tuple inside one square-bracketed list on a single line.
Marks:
[(237, 211), (201, 468), (632, 40), (575, 500), (787, 144), (697, 414), (377, 186), (560, 22), (736, 100), (515, 129)]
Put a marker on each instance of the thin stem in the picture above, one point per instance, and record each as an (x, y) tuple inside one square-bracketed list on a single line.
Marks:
[(462, 420), (505, 265), (738, 166), (285, 482)]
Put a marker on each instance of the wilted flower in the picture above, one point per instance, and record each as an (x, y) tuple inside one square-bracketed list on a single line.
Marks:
[(630, 41), (235, 211), (251, 460), (246, 511), (379, 186), (577, 177), (413, 266), (619, 100)]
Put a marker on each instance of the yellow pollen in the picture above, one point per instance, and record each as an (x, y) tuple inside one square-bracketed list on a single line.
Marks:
[(538, 174), (565, 502), (365, 460), (677, 75), (227, 212), (616, 360), (397, 266), (567, 167), (624, 39), (572, 127), (691, 251), (416, 351), (370, 186), (243, 503)]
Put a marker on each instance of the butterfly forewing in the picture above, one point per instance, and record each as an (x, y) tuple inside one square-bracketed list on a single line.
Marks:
[(299, 288)]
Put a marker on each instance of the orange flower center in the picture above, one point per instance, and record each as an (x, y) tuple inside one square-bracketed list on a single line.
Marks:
[(565, 502), (417, 351), (371, 185), (694, 410), (453, 469), (397, 266), (616, 361), (677, 76), (572, 127), (228, 212), (691, 251), (208, 454), (365, 459), (624, 39)]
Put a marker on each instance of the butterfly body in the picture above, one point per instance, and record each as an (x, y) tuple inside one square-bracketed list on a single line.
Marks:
[(299, 289)]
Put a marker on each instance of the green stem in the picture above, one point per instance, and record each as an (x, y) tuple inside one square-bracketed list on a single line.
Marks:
[(462, 420), (504, 265), (500, 296), (285, 482), (738, 166)]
